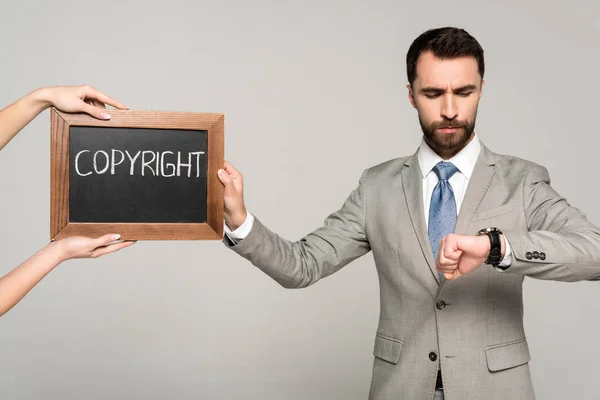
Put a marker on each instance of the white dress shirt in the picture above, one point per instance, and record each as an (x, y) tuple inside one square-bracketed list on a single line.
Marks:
[(465, 163)]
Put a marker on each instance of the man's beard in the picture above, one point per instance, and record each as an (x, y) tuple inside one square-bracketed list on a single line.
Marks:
[(448, 142)]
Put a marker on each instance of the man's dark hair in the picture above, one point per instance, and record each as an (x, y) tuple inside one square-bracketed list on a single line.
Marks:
[(445, 43)]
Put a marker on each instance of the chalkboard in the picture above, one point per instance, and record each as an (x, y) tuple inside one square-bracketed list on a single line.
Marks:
[(137, 175), (143, 174)]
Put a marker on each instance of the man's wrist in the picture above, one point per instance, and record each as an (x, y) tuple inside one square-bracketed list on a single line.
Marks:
[(236, 221), (496, 246)]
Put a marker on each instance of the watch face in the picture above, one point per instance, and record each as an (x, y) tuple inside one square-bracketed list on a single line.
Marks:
[(485, 231)]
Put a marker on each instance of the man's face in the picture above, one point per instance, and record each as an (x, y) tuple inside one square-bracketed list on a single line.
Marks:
[(446, 94)]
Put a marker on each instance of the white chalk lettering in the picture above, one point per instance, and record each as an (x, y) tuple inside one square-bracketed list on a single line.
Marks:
[(179, 164), (163, 164), (96, 162), (132, 161), (77, 163), (113, 164), (151, 163), (197, 154), (147, 163)]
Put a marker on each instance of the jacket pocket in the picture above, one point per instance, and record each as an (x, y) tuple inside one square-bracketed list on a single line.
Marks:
[(494, 212), (387, 349), (507, 355)]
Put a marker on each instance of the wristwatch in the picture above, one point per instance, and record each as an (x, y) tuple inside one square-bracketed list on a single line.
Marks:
[(495, 256)]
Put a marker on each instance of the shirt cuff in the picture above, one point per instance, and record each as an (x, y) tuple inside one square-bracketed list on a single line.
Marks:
[(507, 260), (242, 231)]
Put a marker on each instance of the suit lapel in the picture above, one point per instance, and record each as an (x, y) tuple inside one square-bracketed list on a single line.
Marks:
[(476, 189), (412, 182)]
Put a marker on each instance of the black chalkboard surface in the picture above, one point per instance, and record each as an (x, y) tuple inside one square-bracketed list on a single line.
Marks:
[(143, 174), (137, 175)]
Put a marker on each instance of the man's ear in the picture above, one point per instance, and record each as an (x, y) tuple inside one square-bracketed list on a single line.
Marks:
[(411, 95), (480, 90)]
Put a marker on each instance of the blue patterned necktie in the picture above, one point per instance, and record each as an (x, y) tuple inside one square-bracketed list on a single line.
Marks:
[(442, 210)]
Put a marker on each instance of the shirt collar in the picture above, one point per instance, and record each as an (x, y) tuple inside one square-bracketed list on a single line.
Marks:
[(464, 160)]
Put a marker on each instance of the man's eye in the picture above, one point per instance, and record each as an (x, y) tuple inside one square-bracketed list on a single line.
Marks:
[(464, 94), (432, 96)]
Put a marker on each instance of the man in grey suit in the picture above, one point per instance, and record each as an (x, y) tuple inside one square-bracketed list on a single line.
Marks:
[(454, 229)]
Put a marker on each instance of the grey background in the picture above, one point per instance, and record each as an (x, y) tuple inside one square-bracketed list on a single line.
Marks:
[(313, 93)]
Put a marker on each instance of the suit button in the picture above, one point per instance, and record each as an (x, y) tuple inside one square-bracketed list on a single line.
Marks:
[(536, 255), (529, 255), (440, 305), (542, 256), (432, 356)]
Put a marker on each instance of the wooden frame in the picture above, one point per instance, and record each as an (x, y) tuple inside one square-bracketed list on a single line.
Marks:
[(60, 227)]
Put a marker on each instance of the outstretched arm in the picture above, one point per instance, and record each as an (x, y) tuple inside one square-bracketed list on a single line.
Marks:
[(301, 263), (18, 282), (83, 98)]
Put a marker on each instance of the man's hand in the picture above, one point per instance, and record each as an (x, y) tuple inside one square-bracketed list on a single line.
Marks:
[(461, 254), (235, 210), (84, 98)]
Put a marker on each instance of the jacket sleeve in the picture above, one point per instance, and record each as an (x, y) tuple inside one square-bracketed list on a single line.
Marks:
[(560, 244), (340, 240)]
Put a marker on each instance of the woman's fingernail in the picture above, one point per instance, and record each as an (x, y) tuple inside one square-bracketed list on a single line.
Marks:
[(104, 115), (115, 237)]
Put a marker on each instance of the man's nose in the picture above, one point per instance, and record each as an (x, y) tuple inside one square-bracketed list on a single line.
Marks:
[(449, 109)]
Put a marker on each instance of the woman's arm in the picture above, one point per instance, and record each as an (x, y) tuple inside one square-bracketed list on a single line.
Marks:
[(66, 98), (18, 282)]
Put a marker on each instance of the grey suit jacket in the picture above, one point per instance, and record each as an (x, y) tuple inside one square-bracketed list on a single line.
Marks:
[(471, 327)]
